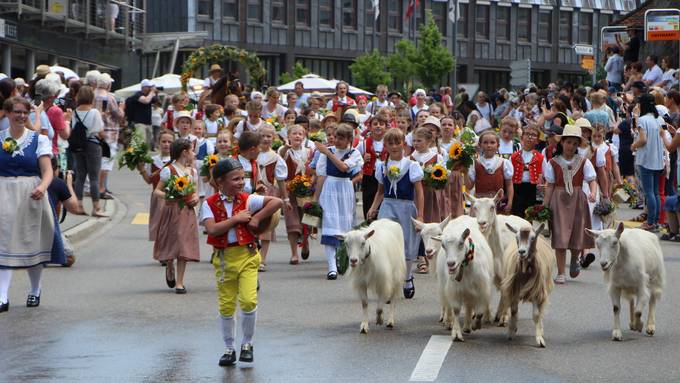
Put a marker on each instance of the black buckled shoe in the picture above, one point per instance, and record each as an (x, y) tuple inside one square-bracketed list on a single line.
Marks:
[(246, 353), (33, 301), (409, 292), (587, 260), (228, 359), (169, 281), (332, 275), (4, 307)]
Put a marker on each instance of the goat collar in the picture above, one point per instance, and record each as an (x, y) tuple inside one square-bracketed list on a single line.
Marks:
[(369, 252), (470, 254)]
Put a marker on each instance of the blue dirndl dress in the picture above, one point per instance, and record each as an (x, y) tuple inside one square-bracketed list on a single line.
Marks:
[(32, 238), (338, 202), (399, 207)]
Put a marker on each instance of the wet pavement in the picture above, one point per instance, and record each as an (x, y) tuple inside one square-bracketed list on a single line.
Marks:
[(111, 318)]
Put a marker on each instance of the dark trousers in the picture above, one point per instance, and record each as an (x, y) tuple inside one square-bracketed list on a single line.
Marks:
[(369, 187), (525, 196)]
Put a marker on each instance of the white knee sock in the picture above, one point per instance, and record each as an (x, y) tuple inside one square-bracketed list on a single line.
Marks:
[(35, 274), (330, 258), (227, 324), (409, 266), (248, 325), (5, 279)]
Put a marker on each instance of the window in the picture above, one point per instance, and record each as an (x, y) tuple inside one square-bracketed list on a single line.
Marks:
[(302, 12), (565, 27), (394, 15), (545, 26), (326, 13), (230, 9), (524, 24), (462, 20), (440, 13), (503, 23), (349, 14), (482, 21), (205, 8), (255, 10), (279, 12), (605, 19), (585, 28)]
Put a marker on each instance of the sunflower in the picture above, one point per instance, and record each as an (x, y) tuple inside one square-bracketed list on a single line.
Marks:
[(455, 151), (270, 120), (393, 171), (130, 149), (307, 184), (438, 173), (212, 160), (181, 183), (6, 146)]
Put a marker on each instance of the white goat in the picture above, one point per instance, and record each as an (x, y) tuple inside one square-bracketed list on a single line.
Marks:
[(529, 266), (499, 238), (376, 258), (465, 270), (633, 266)]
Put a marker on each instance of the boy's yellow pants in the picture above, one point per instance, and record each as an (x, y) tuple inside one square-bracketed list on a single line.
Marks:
[(236, 278)]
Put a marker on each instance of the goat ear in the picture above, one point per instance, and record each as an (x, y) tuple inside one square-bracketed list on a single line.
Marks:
[(369, 234), (445, 222), (540, 228), (470, 198), (437, 238), (619, 230), (417, 224), (466, 233), (499, 195), (592, 233), (511, 228)]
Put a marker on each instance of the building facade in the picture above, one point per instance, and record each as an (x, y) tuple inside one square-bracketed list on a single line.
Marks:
[(326, 35), (78, 34)]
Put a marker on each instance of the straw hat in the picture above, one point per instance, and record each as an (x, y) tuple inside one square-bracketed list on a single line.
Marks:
[(432, 120), (583, 123), (215, 68), (570, 131), (183, 114), (42, 70)]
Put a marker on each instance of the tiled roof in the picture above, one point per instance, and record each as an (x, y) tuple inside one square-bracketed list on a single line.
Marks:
[(636, 18)]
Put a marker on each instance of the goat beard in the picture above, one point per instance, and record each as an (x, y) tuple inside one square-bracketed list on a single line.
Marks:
[(459, 276), (525, 265)]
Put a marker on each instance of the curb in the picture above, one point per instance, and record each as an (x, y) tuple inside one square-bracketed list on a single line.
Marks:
[(83, 230)]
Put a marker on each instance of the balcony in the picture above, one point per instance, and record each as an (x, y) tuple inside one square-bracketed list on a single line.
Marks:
[(113, 21)]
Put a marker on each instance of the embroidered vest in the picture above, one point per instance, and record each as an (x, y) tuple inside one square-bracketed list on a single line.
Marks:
[(269, 172), (243, 235), (534, 167), (155, 175), (577, 180), (333, 170), (405, 189), (252, 174), (486, 185), (337, 104), (550, 152), (369, 166), (21, 165), (170, 121), (292, 167)]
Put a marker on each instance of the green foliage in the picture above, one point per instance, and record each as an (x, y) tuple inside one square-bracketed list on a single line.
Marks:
[(368, 71), (433, 60), (299, 70), (400, 64)]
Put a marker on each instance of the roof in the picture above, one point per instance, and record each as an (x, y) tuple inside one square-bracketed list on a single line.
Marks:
[(636, 18)]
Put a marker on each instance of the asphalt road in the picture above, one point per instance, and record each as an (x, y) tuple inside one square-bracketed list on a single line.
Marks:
[(111, 318)]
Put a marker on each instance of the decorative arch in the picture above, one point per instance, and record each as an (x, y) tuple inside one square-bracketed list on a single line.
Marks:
[(219, 53)]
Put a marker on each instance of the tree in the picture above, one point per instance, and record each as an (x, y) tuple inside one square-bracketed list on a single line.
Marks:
[(433, 60), (401, 63), (368, 71), (299, 70)]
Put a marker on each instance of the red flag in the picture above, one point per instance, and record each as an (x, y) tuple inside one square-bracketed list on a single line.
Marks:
[(412, 4)]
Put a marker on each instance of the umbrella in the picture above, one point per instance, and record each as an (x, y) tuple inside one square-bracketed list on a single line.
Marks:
[(169, 82), (311, 82), (68, 73), (352, 89)]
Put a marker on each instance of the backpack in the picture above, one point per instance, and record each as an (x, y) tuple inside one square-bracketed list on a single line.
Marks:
[(77, 141)]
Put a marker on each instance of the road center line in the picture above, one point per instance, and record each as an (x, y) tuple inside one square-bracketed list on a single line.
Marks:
[(140, 219), (431, 360)]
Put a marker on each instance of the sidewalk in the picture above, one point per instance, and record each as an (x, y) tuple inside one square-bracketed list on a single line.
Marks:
[(78, 227)]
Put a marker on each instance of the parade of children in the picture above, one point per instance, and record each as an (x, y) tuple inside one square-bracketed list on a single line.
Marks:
[(277, 185)]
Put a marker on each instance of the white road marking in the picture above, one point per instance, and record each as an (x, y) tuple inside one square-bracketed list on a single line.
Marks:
[(431, 360)]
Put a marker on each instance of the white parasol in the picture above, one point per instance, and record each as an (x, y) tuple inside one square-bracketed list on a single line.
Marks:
[(170, 83)]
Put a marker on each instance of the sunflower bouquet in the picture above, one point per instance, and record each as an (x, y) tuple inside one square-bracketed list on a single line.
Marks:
[(461, 155), (467, 136), (208, 163), (317, 137), (538, 213), (273, 121), (180, 189), (436, 176), (301, 188), (137, 153), (9, 145)]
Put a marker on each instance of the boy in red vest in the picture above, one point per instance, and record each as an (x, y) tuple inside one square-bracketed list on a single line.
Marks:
[(231, 217), (373, 151), (527, 164), (248, 150)]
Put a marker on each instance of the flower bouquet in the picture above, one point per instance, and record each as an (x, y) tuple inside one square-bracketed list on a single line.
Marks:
[(208, 163), (604, 208), (180, 189), (312, 214), (276, 144), (436, 176), (317, 137), (537, 214), (273, 121), (137, 153), (301, 188), (9, 145), (233, 151), (625, 193), (461, 155), (468, 137)]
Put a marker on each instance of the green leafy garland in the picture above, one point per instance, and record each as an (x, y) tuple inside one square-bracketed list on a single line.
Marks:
[(218, 53)]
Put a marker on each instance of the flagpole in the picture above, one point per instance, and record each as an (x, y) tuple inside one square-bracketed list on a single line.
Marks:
[(454, 80)]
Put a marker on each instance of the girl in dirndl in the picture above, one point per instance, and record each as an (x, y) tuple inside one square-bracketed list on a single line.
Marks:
[(491, 173), (204, 147), (335, 192), (297, 158), (400, 197), (272, 173), (151, 175), (565, 174), (177, 230)]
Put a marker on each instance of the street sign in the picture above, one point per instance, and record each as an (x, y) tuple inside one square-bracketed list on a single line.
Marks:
[(583, 50), (520, 74), (588, 62), (662, 27)]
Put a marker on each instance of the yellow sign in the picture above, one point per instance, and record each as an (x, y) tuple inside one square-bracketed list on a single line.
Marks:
[(587, 62)]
